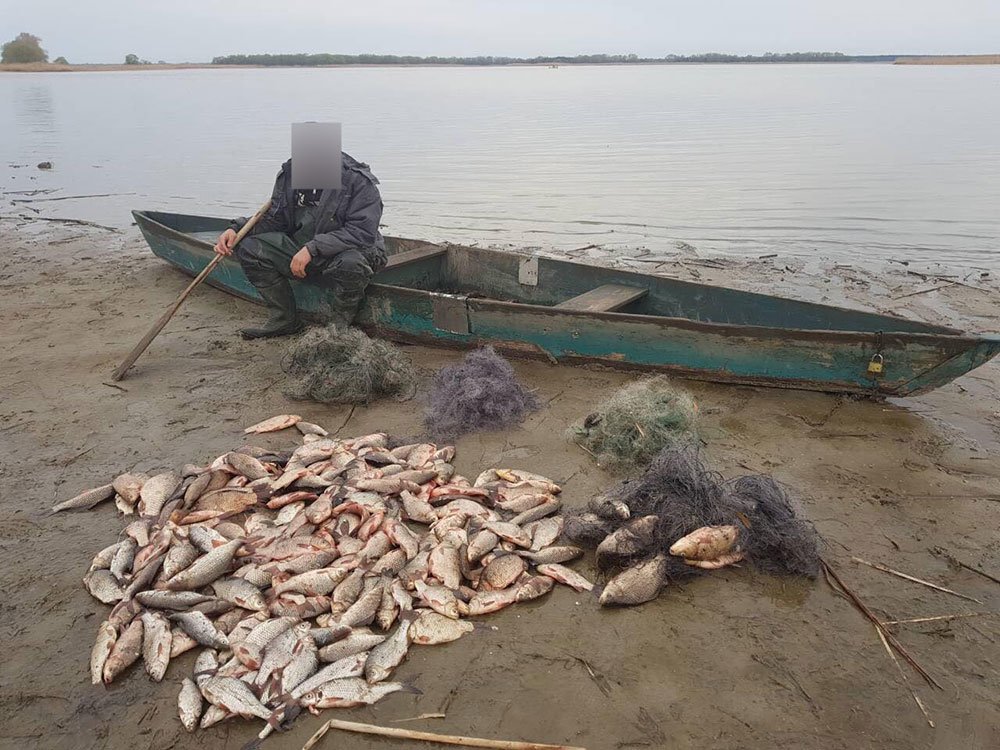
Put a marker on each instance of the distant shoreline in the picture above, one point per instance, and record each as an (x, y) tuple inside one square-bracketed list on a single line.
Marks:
[(116, 67)]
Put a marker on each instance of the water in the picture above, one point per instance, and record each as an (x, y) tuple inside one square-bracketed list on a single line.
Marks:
[(841, 161)]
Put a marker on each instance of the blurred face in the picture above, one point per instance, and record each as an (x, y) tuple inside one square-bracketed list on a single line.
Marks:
[(316, 158)]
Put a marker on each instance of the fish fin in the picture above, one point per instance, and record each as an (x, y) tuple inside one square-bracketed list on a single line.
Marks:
[(409, 687), (407, 615)]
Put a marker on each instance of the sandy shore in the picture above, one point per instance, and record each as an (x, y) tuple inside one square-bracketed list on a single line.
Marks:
[(734, 660)]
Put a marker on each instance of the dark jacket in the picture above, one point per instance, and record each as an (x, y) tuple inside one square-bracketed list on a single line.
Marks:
[(347, 218)]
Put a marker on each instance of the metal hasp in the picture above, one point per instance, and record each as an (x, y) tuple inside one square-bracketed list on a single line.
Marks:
[(451, 313), (527, 271)]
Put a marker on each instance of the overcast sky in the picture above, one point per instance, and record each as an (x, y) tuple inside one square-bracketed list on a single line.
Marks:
[(197, 30)]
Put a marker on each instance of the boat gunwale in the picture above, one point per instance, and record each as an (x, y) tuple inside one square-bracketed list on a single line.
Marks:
[(947, 335)]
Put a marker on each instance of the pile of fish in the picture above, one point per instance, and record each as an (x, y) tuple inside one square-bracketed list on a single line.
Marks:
[(306, 575)]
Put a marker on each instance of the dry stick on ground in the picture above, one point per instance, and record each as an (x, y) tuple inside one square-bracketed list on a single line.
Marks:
[(831, 573), (444, 739), (939, 617), (906, 681), (419, 718), (151, 334), (922, 582)]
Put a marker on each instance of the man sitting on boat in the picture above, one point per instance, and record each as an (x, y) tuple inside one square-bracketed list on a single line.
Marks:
[(325, 237)]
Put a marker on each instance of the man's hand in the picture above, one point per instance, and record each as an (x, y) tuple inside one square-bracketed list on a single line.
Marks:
[(299, 262), (224, 245)]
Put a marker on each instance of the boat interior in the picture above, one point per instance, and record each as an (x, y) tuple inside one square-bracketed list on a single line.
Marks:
[(578, 288)]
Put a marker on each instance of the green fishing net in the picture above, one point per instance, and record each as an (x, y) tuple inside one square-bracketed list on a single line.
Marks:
[(636, 423), (345, 366)]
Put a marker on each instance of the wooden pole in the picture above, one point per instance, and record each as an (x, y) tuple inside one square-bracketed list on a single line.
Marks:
[(165, 318), (443, 739)]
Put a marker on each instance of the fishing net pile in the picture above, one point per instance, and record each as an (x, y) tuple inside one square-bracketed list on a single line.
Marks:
[(679, 517), (636, 423), (479, 393), (304, 576), (345, 366)]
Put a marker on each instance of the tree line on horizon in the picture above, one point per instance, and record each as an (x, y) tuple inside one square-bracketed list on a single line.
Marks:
[(304, 59)]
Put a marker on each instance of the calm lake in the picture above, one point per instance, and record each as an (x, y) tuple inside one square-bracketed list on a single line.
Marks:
[(839, 161)]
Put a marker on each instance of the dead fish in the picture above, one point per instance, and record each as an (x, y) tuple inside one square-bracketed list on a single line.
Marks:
[(308, 428), (189, 704), (481, 545), (387, 486), (628, 540), (102, 560), (417, 509), (565, 576), (86, 500), (324, 636), (206, 568), (103, 645), (279, 652), (230, 530), (205, 666), (363, 610), (510, 532), (485, 602), (180, 642), (199, 486), (349, 666), (387, 611), (502, 571), (124, 612), (544, 532), (551, 555), (351, 692), (251, 650), (534, 587), (126, 650), (180, 555), (402, 537), (205, 538), (297, 605), (155, 644), (240, 592), (175, 600), (314, 582), (128, 486), (227, 500), (103, 586), (441, 600), (156, 491), (720, 562), (358, 642), (139, 530), (198, 626), (635, 585), (539, 511), (246, 465), (431, 628), (121, 564), (389, 654), (444, 563), (214, 715), (280, 422), (706, 543), (234, 696), (144, 577)]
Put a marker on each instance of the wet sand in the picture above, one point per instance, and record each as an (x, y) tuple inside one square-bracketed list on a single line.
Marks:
[(732, 660)]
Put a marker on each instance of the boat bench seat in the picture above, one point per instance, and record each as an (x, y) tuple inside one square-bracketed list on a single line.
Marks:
[(607, 298), (407, 257)]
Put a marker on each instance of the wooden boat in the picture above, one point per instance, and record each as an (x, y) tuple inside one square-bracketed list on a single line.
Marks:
[(571, 312)]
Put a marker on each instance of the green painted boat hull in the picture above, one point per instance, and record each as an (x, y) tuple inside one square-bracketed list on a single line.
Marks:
[(465, 297)]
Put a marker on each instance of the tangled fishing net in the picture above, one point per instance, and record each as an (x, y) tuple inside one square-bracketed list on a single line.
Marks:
[(679, 494), (636, 423), (479, 393), (345, 366)]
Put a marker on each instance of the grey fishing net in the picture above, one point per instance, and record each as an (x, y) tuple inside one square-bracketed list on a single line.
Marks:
[(345, 366), (636, 422), (679, 494), (481, 392)]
